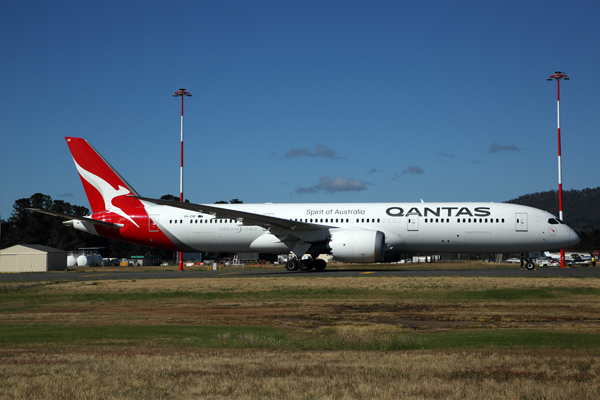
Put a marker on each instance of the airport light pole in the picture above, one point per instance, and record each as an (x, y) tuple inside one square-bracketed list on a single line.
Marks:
[(558, 76), (181, 93)]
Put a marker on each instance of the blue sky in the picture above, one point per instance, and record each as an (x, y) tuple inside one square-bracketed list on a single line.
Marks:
[(301, 101)]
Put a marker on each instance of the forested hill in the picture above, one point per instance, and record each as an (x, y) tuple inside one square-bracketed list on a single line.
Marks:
[(581, 208)]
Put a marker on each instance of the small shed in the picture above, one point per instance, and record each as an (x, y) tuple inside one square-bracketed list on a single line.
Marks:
[(32, 258)]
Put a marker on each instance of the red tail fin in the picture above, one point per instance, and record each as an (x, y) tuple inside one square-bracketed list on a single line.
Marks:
[(106, 190)]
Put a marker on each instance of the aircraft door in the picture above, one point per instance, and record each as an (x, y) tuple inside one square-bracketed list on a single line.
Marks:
[(413, 223), (521, 222), (153, 223)]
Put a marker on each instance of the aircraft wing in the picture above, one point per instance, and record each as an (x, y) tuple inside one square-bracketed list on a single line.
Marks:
[(74, 217), (246, 218)]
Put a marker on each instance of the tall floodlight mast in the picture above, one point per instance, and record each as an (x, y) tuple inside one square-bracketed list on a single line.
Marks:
[(182, 93), (558, 76)]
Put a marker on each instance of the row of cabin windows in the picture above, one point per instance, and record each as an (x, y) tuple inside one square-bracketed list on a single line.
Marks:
[(211, 221), (326, 220), (341, 220), (466, 220)]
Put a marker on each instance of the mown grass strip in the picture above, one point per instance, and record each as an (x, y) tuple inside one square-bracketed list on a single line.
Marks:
[(417, 293), (188, 336), (505, 294), (21, 334)]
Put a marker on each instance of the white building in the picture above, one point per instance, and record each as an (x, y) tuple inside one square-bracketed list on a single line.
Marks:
[(32, 258)]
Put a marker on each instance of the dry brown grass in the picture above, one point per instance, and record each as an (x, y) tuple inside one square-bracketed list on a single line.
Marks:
[(252, 374), (388, 283), (411, 309), (394, 304)]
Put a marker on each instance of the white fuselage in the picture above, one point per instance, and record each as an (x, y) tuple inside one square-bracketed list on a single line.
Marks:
[(408, 227)]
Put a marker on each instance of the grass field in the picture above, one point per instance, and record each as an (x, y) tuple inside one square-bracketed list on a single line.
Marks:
[(302, 338)]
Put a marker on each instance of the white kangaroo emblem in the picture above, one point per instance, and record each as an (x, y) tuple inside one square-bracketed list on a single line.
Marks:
[(107, 191)]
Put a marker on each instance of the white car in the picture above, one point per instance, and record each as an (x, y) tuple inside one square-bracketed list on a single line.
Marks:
[(513, 260)]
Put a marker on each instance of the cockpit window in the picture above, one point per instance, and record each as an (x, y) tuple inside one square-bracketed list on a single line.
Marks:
[(555, 221)]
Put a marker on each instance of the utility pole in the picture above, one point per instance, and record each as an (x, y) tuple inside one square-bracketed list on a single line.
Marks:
[(558, 76), (181, 93)]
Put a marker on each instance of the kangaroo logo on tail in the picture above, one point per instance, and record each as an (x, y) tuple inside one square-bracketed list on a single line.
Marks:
[(96, 173), (107, 191)]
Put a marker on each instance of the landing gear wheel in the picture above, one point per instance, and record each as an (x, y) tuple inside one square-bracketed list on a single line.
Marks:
[(320, 265), (530, 265), (306, 265), (291, 265)]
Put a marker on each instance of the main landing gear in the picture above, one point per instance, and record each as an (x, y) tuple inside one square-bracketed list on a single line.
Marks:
[(530, 265), (305, 265)]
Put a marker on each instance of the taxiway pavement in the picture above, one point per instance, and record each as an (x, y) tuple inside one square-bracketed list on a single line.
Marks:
[(249, 273)]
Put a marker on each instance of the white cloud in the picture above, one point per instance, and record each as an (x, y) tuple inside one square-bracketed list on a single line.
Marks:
[(337, 184), (413, 169), (320, 151), (498, 148)]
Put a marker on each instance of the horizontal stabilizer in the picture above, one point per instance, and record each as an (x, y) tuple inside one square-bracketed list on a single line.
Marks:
[(74, 217)]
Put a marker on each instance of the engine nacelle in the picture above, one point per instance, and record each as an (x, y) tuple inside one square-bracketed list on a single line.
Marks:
[(358, 245)]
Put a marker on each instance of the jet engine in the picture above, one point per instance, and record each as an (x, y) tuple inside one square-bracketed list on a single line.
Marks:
[(358, 245)]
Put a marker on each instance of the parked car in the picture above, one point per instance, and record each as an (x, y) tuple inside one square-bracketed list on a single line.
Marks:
[(513, 260)]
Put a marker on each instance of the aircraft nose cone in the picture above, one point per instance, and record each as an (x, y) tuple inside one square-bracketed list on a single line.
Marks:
[(573, 238)]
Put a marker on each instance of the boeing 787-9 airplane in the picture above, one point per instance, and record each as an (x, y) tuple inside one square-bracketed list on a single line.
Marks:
[(350, 232)]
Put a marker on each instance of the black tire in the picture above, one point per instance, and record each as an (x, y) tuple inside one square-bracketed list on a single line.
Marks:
[(530, 265), (320, 265), (291, 265), (305, 265)]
